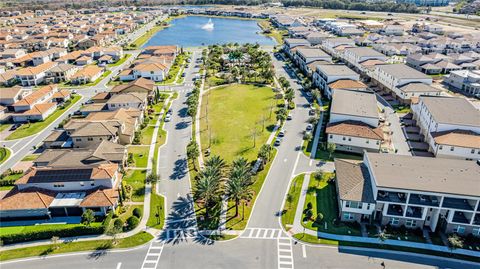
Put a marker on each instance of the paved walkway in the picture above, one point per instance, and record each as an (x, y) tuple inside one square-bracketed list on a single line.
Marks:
[(298, 228)]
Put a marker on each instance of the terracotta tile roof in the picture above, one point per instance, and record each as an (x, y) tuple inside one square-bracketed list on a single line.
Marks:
[(355, 128), (150, 67), (104, 171), (459, 138), (34, 96), (39, 109), (88, 72), (347, 84), (141, 82), (107, 197), (12, 92), (30, 71), (31, 198), (61, 94)]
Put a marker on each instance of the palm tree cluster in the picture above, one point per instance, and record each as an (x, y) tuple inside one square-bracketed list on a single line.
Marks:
[(192, 102), (215, 181), (243, 63)]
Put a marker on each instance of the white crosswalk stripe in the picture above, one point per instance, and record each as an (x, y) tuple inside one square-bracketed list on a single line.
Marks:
[(285, 253), (153, 255), (180, 233), (263, 233)]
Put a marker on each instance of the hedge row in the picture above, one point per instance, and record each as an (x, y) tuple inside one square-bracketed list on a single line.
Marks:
[(48, 234)]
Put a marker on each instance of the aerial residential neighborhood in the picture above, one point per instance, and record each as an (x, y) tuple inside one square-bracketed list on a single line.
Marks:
[(288, 134)]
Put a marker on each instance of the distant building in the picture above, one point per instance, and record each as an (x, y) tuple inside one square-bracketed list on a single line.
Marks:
[(425, 3)]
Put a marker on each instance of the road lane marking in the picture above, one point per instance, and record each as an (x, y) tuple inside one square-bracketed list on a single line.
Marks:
[(119, 265), (285, 253), (304, 251)]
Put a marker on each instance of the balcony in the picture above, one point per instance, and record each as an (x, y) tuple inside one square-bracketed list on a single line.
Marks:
[(419, 199), (459, 217), (395, 197), (395, 210), (414, 212), (476, 219), (457, 204)]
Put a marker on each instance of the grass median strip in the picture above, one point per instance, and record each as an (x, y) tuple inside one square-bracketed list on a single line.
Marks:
[(157, 210), (35, 127), (293, 195), (4, 154), (95, 245)]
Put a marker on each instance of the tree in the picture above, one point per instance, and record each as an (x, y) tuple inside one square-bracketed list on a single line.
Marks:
[(318, 176), (282, 115), (331, 147), (307, 136), (55, 242), (239, 183), (193, 152), (207, 189), (265, 152), (382, 236), (115, 230), (289, 95), (454, 242), (289, 200), (319, 218), (88, 217)]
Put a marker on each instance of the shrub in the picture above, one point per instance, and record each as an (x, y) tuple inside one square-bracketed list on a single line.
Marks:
[(132, 222), (48, 234), (107, 220), (137, 212), (118, 224)]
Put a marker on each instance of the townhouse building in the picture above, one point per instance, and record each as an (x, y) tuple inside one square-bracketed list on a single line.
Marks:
[(304, 56), (134, 100), (356, 56), (465, 80), (9, 96), (416, 192), (450, 125), (61, 73), (328, 73), (86, 75), (354, 124), (403, 82), (34, 76), (291, 43)]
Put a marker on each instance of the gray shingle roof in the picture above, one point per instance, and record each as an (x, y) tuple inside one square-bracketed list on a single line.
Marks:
[(452, 110), (353, 181), (402, 71), (355, 103)]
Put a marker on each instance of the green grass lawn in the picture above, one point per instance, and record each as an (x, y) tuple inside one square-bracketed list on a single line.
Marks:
[(5, 126), (95, 245), (147, 133), (234, 113), (291, 202), (4, 154), (314, 240), (30, 157), (129, 211), (136, 179), (35, 127), (121, 61), (322, 195), (140, 155), (37, 228), (157, 210), (145, 37), (240, 222), (175, 69)]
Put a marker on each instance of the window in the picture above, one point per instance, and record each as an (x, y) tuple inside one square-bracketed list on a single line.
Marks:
[(472, 151), (349, 139), (378, 142), (344, 138), (440, 147), (78, 139), (82, 184), (331, 136), (460, 229), (58, 185), (368, 141), (368, 206), (92, 184), (90, 139), (476, 231), (410, 223), (394, 221), (452, 148), (347, 216), (352, 204)]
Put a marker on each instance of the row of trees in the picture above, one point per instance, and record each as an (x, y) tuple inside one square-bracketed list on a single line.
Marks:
[(355, 5)]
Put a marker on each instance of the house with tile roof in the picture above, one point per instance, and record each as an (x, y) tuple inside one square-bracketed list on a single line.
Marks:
[(325, 74), (87, 74), (46, 192), (33, 76), (450, 126), (354, 124)]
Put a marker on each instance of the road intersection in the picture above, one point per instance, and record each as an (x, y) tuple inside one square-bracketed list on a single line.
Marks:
[(263, 244)]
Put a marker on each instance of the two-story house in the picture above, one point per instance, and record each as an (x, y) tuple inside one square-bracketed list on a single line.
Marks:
[(354, 124), (304, 56), (450, 125), (328, 73)]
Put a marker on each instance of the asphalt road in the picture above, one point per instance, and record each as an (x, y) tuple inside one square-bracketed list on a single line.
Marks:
[(254, 249)]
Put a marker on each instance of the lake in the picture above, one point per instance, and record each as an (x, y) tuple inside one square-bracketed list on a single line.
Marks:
[(190, 32)]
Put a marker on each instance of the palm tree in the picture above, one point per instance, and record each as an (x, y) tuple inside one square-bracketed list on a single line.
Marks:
[(264, 152), (289, 95), (193, 152), (239, 185), (215, 163), (207, 189), (282, 115)]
